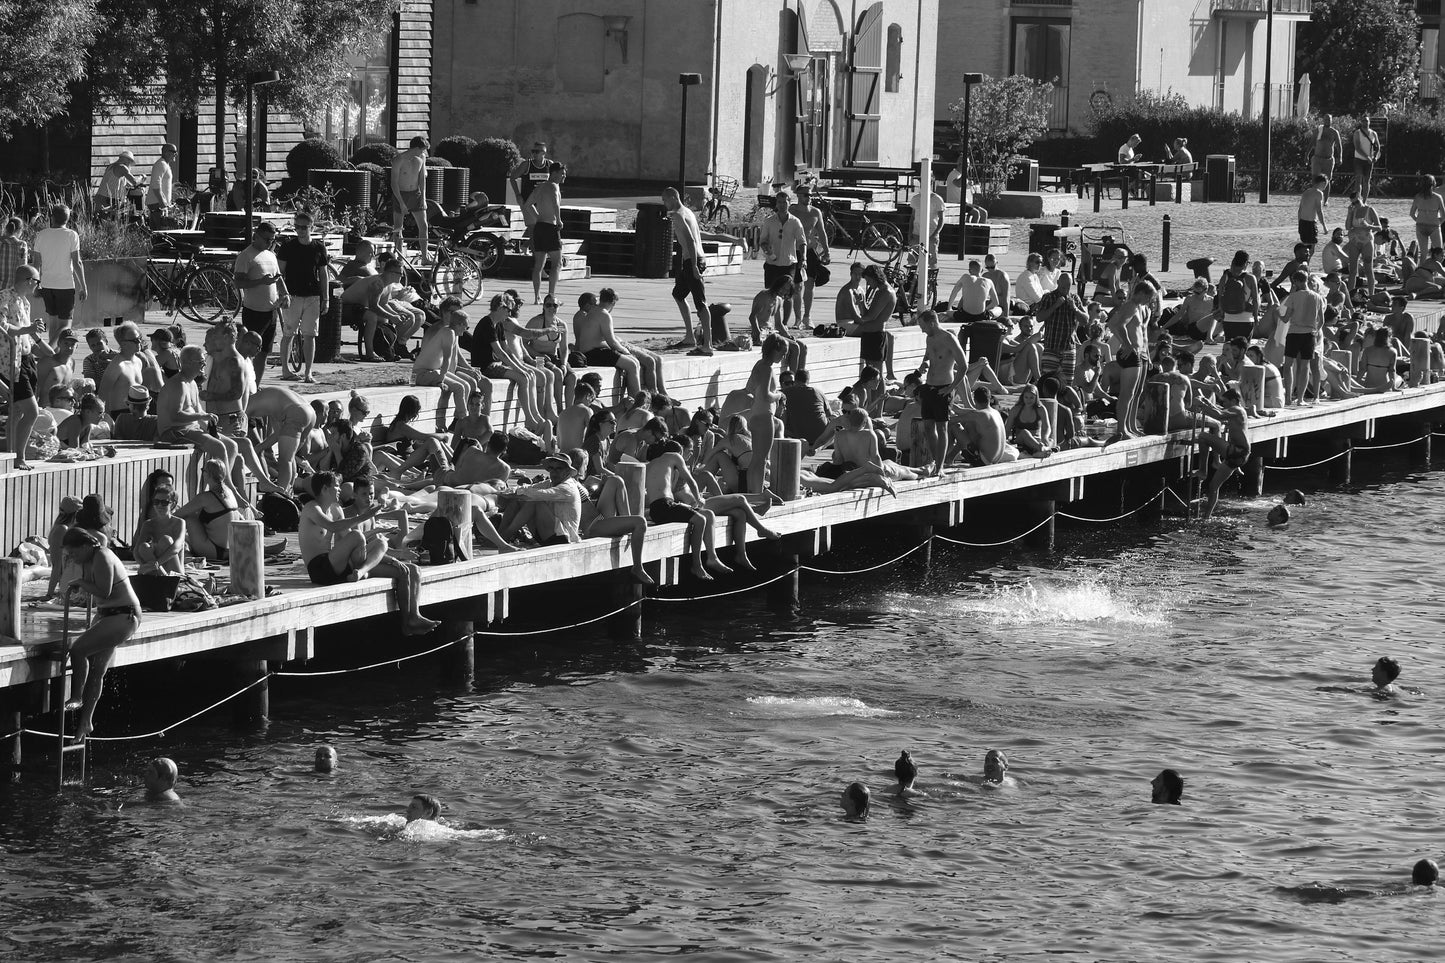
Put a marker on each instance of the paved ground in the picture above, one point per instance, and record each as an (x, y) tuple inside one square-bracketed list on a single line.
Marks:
[(648, 313)]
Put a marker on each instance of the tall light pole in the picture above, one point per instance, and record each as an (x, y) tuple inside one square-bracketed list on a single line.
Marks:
[(257, 78), (1268, 58), (686, 81), (968, 81)]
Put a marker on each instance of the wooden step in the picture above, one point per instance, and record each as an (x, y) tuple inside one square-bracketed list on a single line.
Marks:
[(519, 267)]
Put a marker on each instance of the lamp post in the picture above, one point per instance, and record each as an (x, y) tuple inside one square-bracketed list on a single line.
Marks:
[(1268, 56), (686, 81), (968, 81), (257, 78)]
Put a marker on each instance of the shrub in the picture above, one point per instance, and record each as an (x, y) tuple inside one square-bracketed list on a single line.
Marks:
[(456, 149), (378, 153), (434, 161), (107, 238), (380, 176), (314, 154), (1010, 114), (494, 158)]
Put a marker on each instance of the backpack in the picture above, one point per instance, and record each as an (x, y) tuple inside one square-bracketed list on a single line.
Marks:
[(439, 541), (1233, 296), (279, 513)]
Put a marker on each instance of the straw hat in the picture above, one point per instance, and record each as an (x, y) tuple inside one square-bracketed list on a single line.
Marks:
[(125, 157)]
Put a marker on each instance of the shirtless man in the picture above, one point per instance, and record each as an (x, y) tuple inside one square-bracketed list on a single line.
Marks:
[(594, 337), (1181, 395), (973, 297), (983, 431), (288, 419), (117, 616), (408, 194), (637, 441), (545, 207), (435, 365), (126, 371), (815, 249), (689, 273), (784, 243), (1231, 447), (58, 369), (667, 475), (180, 420), (766, 317), (1304, 312), (999, 278), (1129, 324), (572, 425), (1312, 212), (947, 372), (525, 177), (869, 330)]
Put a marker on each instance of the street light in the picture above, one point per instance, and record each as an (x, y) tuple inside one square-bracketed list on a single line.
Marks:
[(686, 81), (1268, 56), (968, 81), (257, 78)]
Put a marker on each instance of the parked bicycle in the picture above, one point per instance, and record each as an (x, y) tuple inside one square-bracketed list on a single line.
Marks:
[(880, 241), (716, 208), (181, 282), (902, 272)]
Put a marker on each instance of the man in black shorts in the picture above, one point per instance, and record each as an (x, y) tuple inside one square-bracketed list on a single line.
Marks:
[(690, 265), (947, 369), (882, 299), (263, 290), (667, 475), (815, 240), (784, 242)]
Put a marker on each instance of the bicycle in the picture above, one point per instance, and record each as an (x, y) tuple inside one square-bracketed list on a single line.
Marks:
[(902, 273), (202, 292), (716, 208), (880, 241)]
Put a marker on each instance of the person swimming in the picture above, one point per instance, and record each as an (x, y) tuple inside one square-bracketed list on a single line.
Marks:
[(423, 806), (1383, 674), (1278, 517), (326, 759), (1294, 497), (855, 800), (160, 780), (1168, 787), (1425, 873), (995, 768), (906, 770)]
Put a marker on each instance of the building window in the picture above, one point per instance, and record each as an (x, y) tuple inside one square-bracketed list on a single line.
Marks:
[(1040, 51), (363, 116), (581, 39), (893, 65)]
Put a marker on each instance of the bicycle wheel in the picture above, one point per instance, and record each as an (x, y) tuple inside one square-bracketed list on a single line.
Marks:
[(294, 362), (210, 294), (486, 252), (457, 275), (880, 240)]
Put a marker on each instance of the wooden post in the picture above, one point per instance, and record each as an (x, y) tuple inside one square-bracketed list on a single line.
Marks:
[(1420, 451), (1152, 478), (1154, 408), (1340, 467), (1098, 191), (627, 624), (634, 479), (10, 759), (247, 548), (455, 505), (1252, 476), (459, 658), (12, 572), (783, 594), (1419, 362), (253, 707), (787, 467), (1042, 537)]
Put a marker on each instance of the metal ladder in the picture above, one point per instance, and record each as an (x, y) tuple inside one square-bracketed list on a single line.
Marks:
[(66, 744)]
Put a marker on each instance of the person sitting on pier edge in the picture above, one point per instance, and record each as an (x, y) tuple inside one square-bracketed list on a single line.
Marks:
[(981, 428), (160, 780), (552, 509), (595, 344), (667, 475), (973, 298), (1383, 675), (1168, 788)]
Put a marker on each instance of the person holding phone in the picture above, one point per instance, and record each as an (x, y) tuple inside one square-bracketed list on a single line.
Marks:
[(263, 290)]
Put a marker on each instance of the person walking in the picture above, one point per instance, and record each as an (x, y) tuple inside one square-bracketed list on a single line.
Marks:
[(115, 184), (690, 266), (303, 261), (545, 207), (62, 272), (1367, 151), (1326, 153), (408, 194), (263, 290), (162, 185)]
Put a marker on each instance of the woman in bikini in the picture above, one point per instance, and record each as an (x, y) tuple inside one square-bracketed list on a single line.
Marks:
[(1028, 423), (117, 616), (1377, 364), (763, 386), (731, 459), (208, 516)]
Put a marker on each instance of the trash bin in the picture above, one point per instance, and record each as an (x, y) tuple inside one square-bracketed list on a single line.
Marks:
[(652, 243), (328, 330), (353, 188), (1024, 177), (1041, 238), (456, 188), (1219, 178)]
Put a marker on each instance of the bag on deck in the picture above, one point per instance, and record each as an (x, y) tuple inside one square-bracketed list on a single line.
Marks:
[(278, 513), (439, 541)]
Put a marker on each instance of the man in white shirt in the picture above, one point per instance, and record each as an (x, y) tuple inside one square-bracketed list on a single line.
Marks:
[(263, 290), (1030, 286), (162, 184), (784, 240), (1129, 151), (62, 273)]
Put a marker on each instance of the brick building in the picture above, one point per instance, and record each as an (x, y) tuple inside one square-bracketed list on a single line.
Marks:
[(1210, 51), (785, 83)]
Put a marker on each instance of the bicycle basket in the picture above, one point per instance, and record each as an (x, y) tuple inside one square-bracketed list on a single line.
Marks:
[(724, 188)]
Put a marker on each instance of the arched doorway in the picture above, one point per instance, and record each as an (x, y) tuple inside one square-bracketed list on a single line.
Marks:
[(754, 94)]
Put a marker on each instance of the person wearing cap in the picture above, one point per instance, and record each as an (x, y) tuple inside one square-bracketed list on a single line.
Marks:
[(62, 272), (303, 261), (162, 183), (263, 290), (115, 182), (553, 508), (28, 338), (134, 424), (408, 194), (164, 351)]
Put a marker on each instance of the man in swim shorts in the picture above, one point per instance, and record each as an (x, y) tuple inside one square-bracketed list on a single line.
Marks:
[(667, 473), (1232, 447), (946, 368), (545, 205), (408, 194)]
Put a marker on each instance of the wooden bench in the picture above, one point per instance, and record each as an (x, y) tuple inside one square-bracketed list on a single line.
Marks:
[(1060, 180), (1179, 174), (895, 179)]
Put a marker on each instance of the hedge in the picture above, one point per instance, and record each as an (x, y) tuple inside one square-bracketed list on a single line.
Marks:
[(379, 153), (313, 154)]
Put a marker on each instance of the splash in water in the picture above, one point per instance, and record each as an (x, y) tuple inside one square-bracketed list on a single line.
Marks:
[(1047, 603), (817, 706), (395, 826)]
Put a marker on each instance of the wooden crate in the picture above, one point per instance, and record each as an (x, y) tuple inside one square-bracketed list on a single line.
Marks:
[(981, 239)]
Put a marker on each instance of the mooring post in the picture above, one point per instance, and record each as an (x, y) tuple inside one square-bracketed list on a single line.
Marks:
[(459, 658), (1164, 253), (787, 468), (1340, 468), (1098, 191), (1420, 452), (1156, 479), (252, 707), (247, 550), (1251, 483), (13, 720), (783, 594), (1036, 511), (455, 505), (627, 624)]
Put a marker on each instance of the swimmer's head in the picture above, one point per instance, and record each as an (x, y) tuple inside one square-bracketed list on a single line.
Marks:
[(1168, 787), (995, 766), (905, 769), (1384, 671), (325, 759), (1294, 497), (423, 806), (1278, 516), (1425, 873), (855, 800), (160, 776)]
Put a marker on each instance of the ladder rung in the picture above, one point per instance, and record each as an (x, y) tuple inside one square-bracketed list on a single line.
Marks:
[(78, 747)]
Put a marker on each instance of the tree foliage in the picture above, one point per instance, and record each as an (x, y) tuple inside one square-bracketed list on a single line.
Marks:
[(38, 56), (1360, 55), (1007, 114)]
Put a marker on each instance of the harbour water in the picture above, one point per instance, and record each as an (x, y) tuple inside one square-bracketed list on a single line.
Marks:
[(680, 796)]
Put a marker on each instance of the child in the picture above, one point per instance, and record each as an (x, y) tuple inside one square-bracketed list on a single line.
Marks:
[(160, 545), (69, 509), (160, 781)]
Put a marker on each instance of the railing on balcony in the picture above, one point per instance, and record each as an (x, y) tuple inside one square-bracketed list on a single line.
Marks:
[(1281, 104), (1295, 8), (1059, 110), (1429, 85)]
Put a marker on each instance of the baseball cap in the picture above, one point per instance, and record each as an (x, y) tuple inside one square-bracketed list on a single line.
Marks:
[(162, 334), (67, 334)]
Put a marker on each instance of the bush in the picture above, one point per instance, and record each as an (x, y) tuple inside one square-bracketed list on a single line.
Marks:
[(314, 154), (456, 149), (378, 153), (107, 238), (380, 177), (434, 161)]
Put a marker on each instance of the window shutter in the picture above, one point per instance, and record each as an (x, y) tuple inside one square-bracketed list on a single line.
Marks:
[(865, 88)]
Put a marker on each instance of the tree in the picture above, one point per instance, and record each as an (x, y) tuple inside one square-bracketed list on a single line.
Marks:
[(1360, 55), (1007, 115), (39, 62)]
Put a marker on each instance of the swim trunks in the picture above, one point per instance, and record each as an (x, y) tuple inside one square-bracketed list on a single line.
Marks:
[(870, 345), (602, 357), (1236, 456), (689, 283), (1300, 346), (413, 200), (546, 238), (835, 469), (1127, 358), (666, 510), (933, 402), (127, 610), (321, 572), (1309, 233), (773, 273)]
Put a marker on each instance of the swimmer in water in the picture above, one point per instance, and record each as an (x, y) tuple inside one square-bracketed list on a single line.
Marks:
[(1278, 517), (160, 780), (326, 760), (1425, 873), (1294, 497), (855, 801), (1383, 674), (995, 768), (1168, 787), (423, 806), (906, 770)]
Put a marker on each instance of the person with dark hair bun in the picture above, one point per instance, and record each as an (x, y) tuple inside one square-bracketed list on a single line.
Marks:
[(1168, 788), (1383, 674)]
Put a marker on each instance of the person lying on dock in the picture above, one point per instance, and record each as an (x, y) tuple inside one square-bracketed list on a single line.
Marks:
[(1227, 451), (336, 550), (667, 477), (855, 446), (1167, 788), (160, 781), (117, 616)]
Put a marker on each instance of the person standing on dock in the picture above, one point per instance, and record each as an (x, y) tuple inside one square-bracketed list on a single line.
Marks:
[(1312, 213), (263, 290), (946, 368), (1367, 150), (117, 616), (815, 249), (1129, 324), (545, 205), (1327, 151), (763, 387), (408, 194), (870, 329), (525, 177), (1304, 312), (784, 241), (690, 265)]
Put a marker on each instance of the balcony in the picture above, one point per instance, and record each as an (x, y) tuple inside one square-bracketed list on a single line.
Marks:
[(1258, 9)]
